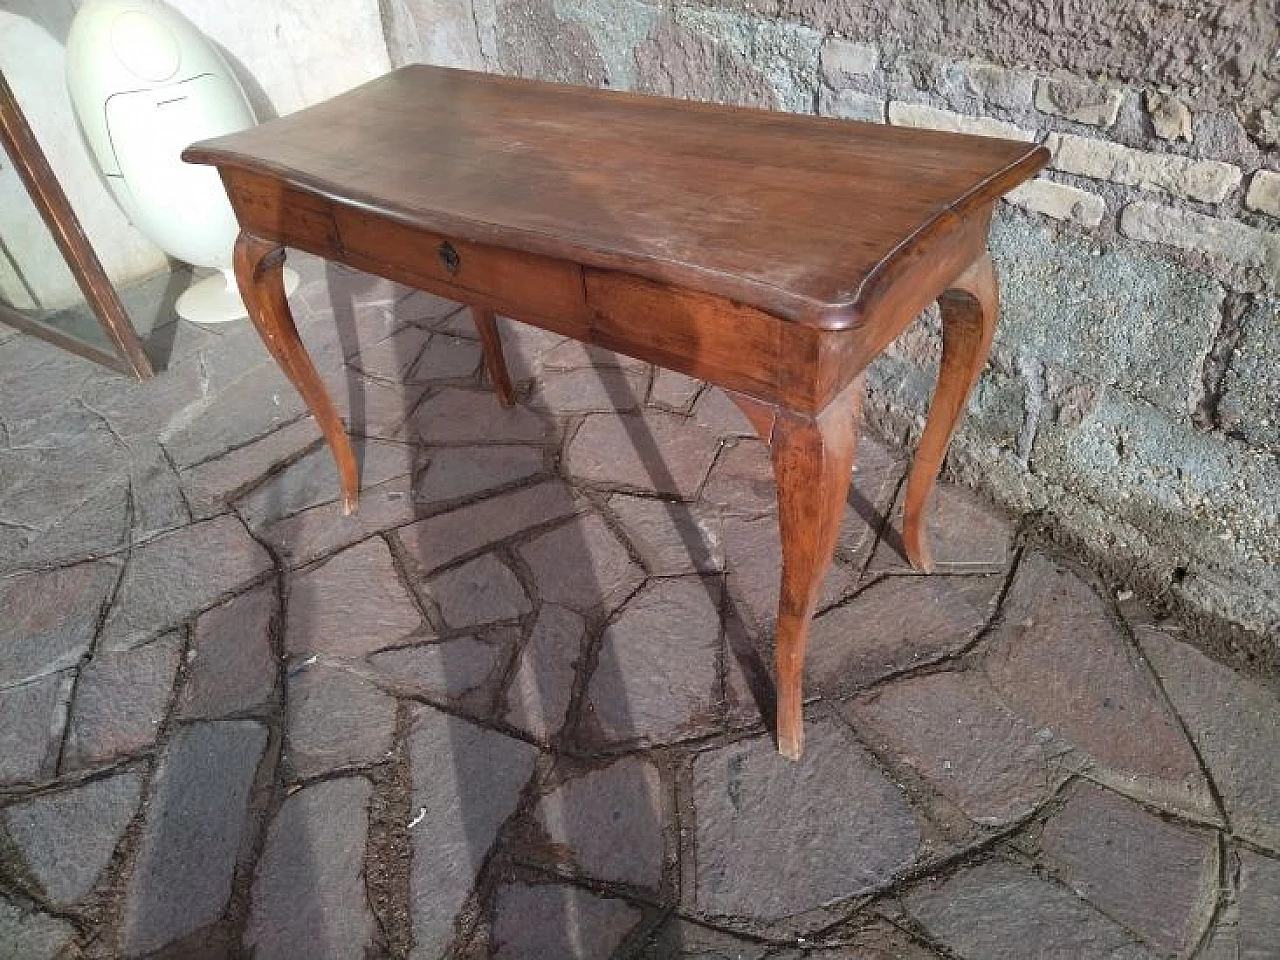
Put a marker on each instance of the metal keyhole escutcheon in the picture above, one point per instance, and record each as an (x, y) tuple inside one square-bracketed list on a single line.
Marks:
[(449, 257)]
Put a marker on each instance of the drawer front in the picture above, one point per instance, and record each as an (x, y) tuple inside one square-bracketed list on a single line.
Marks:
[(522, 283), (704, 336), (274, 211)]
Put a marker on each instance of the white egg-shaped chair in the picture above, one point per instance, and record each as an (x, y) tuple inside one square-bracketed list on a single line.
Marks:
[(145, 84)]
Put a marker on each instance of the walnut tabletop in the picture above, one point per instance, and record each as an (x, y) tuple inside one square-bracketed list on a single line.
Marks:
[(801, 216), (773, 255)]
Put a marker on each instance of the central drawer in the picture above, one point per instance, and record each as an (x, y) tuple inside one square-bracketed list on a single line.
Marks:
[(502, 278)]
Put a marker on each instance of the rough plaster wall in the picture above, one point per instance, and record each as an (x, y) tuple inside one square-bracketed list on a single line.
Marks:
[(292, 53), (1132, 405), (1214, 52), (287, 53)]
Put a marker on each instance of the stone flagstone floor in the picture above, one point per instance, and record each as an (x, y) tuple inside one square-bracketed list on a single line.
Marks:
[(512, 708)]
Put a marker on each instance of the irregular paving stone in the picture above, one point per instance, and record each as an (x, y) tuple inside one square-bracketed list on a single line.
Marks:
[(446, 358), (876, 473), (655, 678), (436, 541), (88, 819), (448, 669), (469, 779), (1240, 745), (716, 412), (588, 390), (350, 291), (456, 417), (174, 576), (350, 605), (551, 920), (313, 480), (955, 733), (373, 408), (539, 693), (231, 664), (1058, 660), (1110, 850), (673, 391), (95, 526), (778, 837), (463, 471), (336, 719), (610, 821), (27, 934), (31, 719), (581, 565), (47, 620), (753, 548), (209, 486), (121, 700), (742, 479), (41, 486), (309, 898), (750, 694), (394, 357), (672, 538), (483, 590), (571, 354), (523, 346), (426, 309), (187, 388), (1249, 931), (682, 940), (876, 941), (317, 531), (196, 821), (965, 533), (261, 400), (656, 452), (36, 377), (12, 540), (996, 910), (896, 623), (158, 502)]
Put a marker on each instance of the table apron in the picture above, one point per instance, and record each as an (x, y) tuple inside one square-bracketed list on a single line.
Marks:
[(795, 366)]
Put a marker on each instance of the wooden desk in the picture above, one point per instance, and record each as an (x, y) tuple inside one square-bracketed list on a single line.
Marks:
[(771, 254)]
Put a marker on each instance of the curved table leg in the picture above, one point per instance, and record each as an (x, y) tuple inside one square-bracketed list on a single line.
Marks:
[(494, 363), (259, 266), (812, 463), (968, 309)]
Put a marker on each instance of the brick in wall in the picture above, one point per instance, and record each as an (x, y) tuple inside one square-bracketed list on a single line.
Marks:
[(1249, 255), (998, 86), (843, 62), (1209, 180), (1060, 201), (1080, 100), (1264, 193), (931, 118), (1170, 117), (851, 105)]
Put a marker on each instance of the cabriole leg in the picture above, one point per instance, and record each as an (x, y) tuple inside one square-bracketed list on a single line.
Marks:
[(968, 323), (812, 462), (259, 266)]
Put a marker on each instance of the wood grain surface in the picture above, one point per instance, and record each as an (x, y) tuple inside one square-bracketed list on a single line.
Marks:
[(804, 217)]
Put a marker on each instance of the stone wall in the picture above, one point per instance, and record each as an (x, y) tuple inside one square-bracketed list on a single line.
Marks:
[(1132, 405)]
